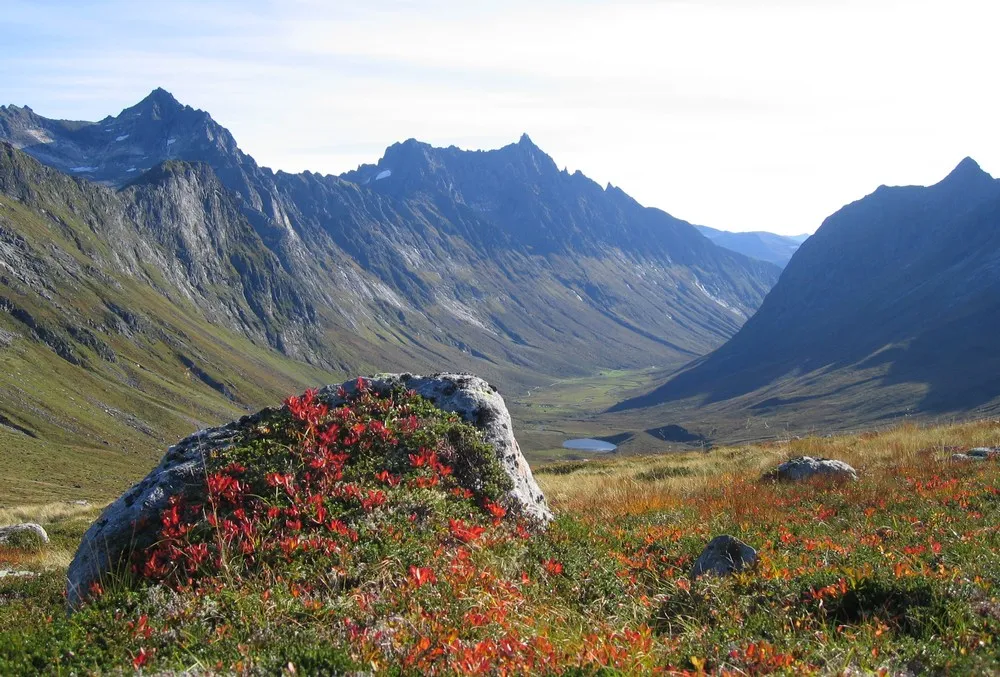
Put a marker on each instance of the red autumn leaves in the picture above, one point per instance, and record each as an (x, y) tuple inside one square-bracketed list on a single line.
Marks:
[(309, 499)]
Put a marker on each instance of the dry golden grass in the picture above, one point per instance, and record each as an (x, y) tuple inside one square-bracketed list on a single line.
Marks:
[(52, 516), (634, 484), (47, 513)]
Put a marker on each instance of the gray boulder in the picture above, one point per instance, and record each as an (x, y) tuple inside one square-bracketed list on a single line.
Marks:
[(978, 454), (724, 555), (132, 521), (806, 467), (28, 533)]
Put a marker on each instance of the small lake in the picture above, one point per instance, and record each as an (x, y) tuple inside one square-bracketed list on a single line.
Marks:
[(599, 446)]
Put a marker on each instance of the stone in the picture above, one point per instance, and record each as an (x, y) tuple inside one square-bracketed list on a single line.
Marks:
[(806, 467), (978, 454), (130, 522), (984, 453), (27, 533), (724, 555), (12, 573)]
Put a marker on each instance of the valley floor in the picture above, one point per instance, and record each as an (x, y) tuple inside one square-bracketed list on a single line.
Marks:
[(897, 572)]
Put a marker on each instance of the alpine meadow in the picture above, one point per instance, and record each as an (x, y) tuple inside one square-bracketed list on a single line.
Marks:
[(386, 388)]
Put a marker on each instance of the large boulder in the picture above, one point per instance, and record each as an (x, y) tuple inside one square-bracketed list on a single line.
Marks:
[(20, 535), (724, 555), (806, 468), (131, 522)]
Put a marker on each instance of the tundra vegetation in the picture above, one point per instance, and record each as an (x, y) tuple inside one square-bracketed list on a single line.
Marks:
[(375, 536)]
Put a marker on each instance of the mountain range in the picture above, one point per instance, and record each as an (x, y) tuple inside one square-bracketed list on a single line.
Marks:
[(776, 249), (891, 309), (168, 279)]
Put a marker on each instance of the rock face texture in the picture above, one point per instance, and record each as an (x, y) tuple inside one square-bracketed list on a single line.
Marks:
[(806, 467), (131, 521), (724, 555), (27, 531)]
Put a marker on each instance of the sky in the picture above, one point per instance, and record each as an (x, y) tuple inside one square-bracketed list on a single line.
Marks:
[(736, 114)]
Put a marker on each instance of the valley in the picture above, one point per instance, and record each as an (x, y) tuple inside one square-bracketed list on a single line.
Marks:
[(499, 339)]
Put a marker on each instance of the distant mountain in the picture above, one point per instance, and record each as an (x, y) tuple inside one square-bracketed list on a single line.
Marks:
[(497, 254), (777, 249), (159, 242), (891, 308)]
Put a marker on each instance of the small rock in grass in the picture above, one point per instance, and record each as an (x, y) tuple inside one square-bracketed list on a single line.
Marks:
[(978, 454), (27, 535), (724, 555), (806, 467), (11, 573)]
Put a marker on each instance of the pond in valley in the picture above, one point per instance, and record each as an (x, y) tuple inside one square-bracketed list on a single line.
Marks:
[(599, 446)]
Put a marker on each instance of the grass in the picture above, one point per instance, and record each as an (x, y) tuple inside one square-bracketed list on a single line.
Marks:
[(896, 572), (570, 408)]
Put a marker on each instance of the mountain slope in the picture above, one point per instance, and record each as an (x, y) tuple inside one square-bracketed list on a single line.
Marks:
[(771, 247), (115, 339), (891, 308), (490, 261)]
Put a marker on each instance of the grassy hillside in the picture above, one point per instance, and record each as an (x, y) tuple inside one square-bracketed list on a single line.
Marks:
[(102, 368), (895, 573)]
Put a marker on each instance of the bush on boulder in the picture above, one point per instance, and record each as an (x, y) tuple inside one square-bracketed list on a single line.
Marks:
[(316, 492)]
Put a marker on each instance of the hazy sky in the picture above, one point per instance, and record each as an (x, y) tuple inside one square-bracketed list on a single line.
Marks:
[(737, 114)]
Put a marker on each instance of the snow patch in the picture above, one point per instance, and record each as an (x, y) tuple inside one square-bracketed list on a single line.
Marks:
[(83, 169), (122, 137), (171, 141), (578, 297), (383, 175), (730, 308), (39, 135), (130, 169)]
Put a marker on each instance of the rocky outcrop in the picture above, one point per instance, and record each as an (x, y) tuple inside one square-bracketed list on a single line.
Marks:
[(131, 522), (724, 555), (28, 533), (806, 467)]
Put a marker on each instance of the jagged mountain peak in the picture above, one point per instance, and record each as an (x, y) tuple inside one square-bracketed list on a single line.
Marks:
[(162, 98), (118, 149), (967, 171), (431, 237)]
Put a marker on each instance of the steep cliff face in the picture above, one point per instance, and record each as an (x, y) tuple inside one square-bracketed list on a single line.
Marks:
[(493, 261), (178, 230)]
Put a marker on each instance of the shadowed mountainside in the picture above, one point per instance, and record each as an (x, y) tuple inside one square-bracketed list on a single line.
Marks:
[(891, 308)]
